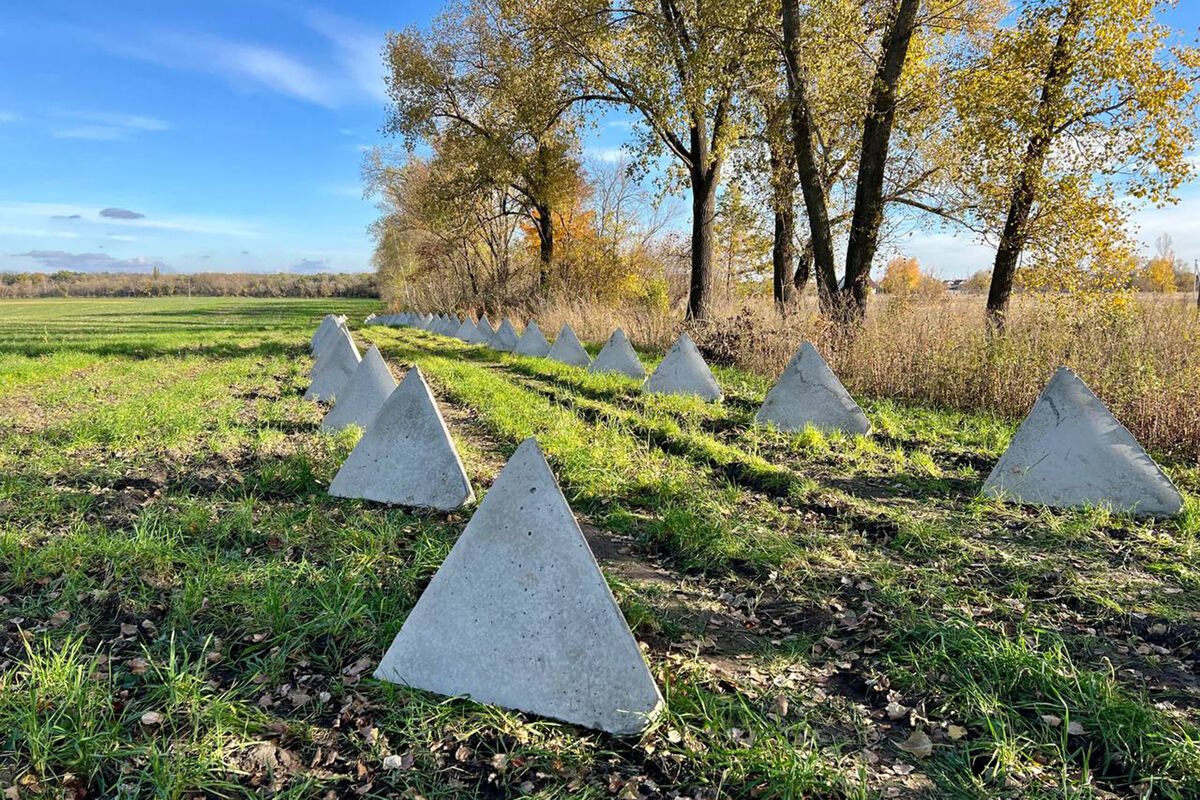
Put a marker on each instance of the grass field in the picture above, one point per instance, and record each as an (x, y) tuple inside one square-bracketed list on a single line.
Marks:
[(184, 611)]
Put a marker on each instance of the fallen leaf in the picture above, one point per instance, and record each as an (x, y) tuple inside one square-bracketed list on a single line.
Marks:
[(918, 745), (896, 710), (1051, 720), (398, 762), (137, 665), (151, 718), (956, 732), (1075, 728)]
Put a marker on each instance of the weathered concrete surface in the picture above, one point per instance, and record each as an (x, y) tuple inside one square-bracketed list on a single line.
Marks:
[(465, 330), (1070, 452), (363, 395), (519, 615), (328, 326), (505, 338), (618, 355), (683, 371), (532, 342), (568, 350), (483, 332), (334, 365), (406, 457), (808, 393)]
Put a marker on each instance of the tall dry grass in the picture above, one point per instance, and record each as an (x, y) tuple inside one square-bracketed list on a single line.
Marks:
[(1143, 360)]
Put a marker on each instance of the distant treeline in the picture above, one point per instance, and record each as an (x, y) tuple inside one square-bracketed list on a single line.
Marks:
[(204, 284)]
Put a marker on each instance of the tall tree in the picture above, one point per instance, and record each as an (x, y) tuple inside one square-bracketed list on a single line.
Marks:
[(893, 99), (1080, 104), (680, 67), (480, 77)]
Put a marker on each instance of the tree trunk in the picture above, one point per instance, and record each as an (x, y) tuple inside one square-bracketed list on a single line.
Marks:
[(1024, 192), (877, 133), (803, 267), (807, 164), (783, 254), (545, 229), (705, 178)]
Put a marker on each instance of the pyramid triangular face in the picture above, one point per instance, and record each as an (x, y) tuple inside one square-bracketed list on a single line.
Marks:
[(505, 338), (333, 368), (808, 393), (683, 371), (532, 342), (465, 330), (519, 615), (363, 395), (617, 355), (568, 350), (1070, 452), (483, 332), (325, 333), (327, 322), (407, 456)]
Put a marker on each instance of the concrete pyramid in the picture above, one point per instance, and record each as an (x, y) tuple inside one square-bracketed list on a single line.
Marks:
[(1070, 452), (808, 393), (617, 355), (407, 456), (363, 395), (683, 371), (519, 615), (505, 338), (568, 350), (483, 332), (328, 325), (465, 330), (532, 342), (334, 365)]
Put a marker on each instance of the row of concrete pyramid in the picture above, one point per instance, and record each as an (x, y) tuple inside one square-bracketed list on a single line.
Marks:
[(518, 614), (1069, 451), (1084, 457)]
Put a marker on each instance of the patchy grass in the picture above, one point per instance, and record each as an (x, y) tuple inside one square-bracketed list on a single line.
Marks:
[(185, 612)]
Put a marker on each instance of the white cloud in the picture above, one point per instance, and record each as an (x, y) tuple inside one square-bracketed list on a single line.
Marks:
[(105, 127), (359, 51), (91, 215), (609, 155), (9, 116), (89, 262), (351, 70)]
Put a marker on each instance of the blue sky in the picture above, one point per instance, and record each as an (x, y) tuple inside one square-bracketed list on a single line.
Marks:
[(229, 136)]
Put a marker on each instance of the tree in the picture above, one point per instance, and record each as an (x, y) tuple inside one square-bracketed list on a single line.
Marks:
[(902, 276), (491, 91), (895, 100), (1082, 102), (680, 68)]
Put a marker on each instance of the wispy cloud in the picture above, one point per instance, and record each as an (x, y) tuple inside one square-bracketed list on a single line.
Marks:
[(93, 215), (351, 69), (609, 155), (359, 51), (104, 127), (121, 213), (90, 262), (9, 116)]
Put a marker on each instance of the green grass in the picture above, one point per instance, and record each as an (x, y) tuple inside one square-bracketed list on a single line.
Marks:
[(184, 611)]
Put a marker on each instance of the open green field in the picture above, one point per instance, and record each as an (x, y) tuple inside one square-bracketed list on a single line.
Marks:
[(184, 611)]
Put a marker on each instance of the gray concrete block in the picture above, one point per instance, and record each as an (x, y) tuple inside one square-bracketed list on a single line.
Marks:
[(1072, 452), (406, 457), (520, 616), (483, 332), (618, 356), (363, 395), (505, 338), (328, 325), (532, 342), (808, 393), (465, 330), (568, 350), (334, 365), (683, 371)]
